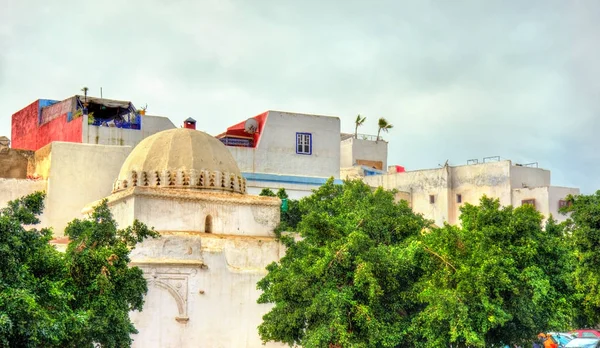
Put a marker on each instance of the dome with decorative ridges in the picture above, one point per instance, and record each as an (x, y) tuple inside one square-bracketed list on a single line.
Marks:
[(181, 158)]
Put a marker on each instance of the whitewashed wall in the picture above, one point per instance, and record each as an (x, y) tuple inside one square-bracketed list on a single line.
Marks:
[(126, 137), (276, 150)]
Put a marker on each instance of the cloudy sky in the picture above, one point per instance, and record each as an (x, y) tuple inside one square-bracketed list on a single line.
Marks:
[(457, 79)]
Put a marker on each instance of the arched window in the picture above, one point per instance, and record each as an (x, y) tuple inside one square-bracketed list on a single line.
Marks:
[(208, 224)]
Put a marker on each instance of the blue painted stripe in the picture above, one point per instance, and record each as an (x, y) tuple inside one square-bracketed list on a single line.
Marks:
[(288, 179)]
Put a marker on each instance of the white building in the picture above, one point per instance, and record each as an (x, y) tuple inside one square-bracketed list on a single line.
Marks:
[(297, 152), (215, 242), (363, 150), (439, 193)]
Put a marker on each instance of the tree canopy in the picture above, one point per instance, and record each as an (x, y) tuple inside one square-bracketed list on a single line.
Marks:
[(349, 281), (78, 298), (500, 278), (291, 216), (365, 271), (584, 226)]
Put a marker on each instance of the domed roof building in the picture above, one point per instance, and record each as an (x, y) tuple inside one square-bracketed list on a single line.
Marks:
[(215, 242), (181, 158)]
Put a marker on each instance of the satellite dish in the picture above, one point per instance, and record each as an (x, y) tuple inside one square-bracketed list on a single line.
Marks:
[(251, 126)]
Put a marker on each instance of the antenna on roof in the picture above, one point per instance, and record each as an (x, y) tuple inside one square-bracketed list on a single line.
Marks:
[(100, 92), (251, 126)]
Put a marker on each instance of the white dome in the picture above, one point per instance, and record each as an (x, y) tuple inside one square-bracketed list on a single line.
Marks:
[(181, 158)]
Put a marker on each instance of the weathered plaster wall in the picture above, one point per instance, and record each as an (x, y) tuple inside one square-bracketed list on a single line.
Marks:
[(420, 184), (472, 182), (294, 191), (529, 177), (540, 194), (276, 151), (201, 286), (202, 290), (24, 127), (79, 174), (29, 133), (353, 150), (120, 136), (555, 194), (42, 159), (187, 210), (59, 129), (16, 164), (11, 189)]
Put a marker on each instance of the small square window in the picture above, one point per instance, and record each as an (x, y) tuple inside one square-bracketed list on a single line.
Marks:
[(304, 143), (529, 202), (458, 198), (563, 203), (431, 199)]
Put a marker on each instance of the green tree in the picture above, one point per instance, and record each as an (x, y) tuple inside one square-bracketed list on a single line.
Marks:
[(383, 125), (348, 281), (357, 123), (499, 279), (584, 226), (103, 284), (79, 298), (292, 216), (35, 306), (266, 192)]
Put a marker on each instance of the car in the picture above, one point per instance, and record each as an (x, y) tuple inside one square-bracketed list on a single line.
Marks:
[(586, 333), (561, 338), (581, 342)]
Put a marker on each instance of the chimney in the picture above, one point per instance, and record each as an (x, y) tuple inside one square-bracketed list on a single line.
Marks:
[(190, 123)]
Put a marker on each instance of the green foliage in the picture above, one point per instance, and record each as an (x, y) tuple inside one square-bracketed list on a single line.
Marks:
[(383, 125), (360, 120), (97, 259), (368, 272), (292, 216), (80, 298), (584, 225), (267, 192), (348, 281), (289, 218), (34, 301), (500, 279)]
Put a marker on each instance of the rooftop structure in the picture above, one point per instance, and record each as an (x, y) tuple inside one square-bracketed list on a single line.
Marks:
[(439, 193), (82, 119), (275, 149)]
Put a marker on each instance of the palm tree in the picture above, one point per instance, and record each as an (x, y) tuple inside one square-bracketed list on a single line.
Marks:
[(358, 122), (383, 126)]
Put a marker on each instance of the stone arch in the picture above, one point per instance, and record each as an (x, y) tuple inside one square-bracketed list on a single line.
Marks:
[(181, 302), (208, 224)]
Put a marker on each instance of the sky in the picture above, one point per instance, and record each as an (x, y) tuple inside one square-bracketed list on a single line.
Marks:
[(458, 79)]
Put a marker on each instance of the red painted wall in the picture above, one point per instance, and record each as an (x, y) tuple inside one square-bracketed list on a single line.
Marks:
[(24, 127), (59, 130), (27, 135), (238, 128)]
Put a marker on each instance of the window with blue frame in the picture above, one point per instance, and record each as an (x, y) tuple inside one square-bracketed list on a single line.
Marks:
[(304, 143)]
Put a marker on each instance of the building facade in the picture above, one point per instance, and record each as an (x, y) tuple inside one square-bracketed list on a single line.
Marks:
[(298, 152), (86, 120), (439, 193), (71, 155), (216, 241)]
